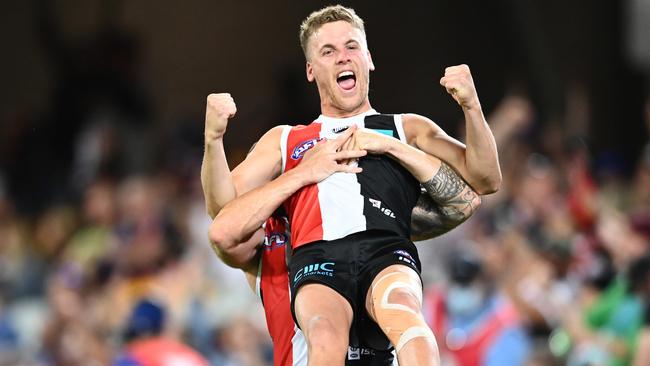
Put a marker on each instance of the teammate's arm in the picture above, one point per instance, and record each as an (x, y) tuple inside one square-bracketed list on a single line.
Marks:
[(477, 161), (448, 200), (240, 218), (220, 186)]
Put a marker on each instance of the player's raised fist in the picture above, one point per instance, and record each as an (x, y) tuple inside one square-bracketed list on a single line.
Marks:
[(459, 83), (219, 108)]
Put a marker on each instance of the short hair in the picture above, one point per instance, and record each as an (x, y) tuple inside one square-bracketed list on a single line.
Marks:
[(330, 14)]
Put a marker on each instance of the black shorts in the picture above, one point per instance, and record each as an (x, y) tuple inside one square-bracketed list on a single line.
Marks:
[(348, 266)]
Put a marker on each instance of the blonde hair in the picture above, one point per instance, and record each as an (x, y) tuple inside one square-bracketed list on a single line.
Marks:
[(330, 14)]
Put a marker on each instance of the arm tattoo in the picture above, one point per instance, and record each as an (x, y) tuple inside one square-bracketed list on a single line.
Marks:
[(448, 202), (445, 185)]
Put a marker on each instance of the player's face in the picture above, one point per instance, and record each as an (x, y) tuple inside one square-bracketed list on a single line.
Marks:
[(340, 63)]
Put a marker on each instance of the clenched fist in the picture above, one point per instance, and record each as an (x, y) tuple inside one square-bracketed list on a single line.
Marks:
[(458, 82), (219, 108)]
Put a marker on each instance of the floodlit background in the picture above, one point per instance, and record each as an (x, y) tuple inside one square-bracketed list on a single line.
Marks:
[(101, 141)]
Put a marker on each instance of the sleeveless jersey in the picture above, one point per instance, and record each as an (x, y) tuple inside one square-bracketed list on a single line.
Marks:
[(289, 344), (380, 198)]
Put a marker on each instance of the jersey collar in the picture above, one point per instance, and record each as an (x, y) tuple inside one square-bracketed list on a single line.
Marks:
[(325, 119)]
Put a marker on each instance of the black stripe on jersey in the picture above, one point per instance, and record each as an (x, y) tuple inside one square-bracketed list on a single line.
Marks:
[(389, 190)]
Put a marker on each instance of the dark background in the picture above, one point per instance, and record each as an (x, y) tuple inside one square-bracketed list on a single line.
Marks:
[(151, 64)]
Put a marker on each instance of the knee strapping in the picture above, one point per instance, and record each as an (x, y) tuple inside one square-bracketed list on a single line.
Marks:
[(401, 322)]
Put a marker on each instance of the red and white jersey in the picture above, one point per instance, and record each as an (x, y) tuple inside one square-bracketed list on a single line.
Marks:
[(289, 344), (381, 197)]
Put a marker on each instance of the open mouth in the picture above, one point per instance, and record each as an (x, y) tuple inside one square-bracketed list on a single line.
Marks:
[(346, 80)]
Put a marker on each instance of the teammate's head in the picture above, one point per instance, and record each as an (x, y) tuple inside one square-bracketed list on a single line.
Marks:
[(334, 42)]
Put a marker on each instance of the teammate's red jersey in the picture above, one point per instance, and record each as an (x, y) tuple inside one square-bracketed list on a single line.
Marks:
[(289, 345)]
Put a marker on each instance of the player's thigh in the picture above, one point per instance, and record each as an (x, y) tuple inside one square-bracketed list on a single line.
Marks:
[(319, 307), (395, 287)]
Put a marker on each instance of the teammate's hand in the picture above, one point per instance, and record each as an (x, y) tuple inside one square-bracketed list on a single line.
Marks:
[(218, 109), (326, 158), (371, 141), (459, 83)]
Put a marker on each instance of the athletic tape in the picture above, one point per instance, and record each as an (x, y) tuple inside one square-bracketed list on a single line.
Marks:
[(414, 332)]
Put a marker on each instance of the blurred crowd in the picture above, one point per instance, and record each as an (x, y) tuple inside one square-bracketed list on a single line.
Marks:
[(554, 269), (84, 278)]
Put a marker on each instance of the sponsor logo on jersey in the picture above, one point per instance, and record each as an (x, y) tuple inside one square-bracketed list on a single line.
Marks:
[(340, 129), (275, 240), (316, 269), (355, 353), (404, 256), (302, 147), (385, 210)]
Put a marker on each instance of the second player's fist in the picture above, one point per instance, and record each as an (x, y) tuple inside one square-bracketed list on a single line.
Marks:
[(219, 108), (459, 83)]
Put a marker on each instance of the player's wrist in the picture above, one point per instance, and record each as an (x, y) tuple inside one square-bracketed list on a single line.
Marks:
[(302, 175), (211, 137), (473, 105), (394, 147)]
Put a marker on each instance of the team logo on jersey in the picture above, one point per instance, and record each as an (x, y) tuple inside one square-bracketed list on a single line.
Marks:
[(316, 269), (404, 256), (275, 240), (302, 147)]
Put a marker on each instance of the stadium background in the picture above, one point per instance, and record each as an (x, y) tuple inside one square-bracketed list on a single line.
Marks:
[(101, 128)]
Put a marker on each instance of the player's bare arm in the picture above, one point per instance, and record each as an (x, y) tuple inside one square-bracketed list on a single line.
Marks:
[(242, 217), (220, 186), (477, 161), (448, 200), (215, 172), (447, 203)]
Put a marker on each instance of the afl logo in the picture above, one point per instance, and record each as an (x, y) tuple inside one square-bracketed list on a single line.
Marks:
[(300, 150), (274, 240)]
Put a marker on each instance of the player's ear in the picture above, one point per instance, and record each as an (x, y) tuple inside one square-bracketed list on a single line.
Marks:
[(310, 71), (372, 65)]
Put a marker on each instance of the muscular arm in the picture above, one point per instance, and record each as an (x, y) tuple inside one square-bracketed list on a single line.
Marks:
[(220, 186), (216, 180), (448, 200), (477, 162), (233, 227)]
